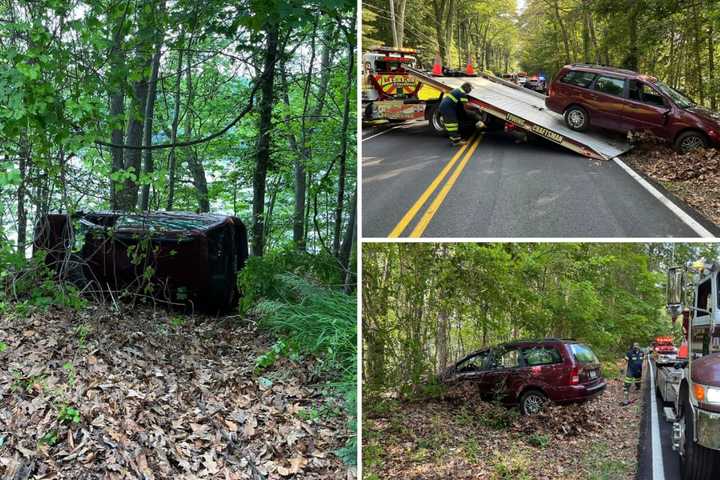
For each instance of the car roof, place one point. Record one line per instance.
(591, 67)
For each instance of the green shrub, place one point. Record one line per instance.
(29, 284)
(258, 280)
(539, 440)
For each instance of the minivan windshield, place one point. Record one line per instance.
(680, 100)
(583, 354)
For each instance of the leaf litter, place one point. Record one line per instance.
(694, 176)
(138, 396)
(462, 437)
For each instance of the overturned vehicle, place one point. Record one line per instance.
(178, 258)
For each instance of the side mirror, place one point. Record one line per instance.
(674, 291)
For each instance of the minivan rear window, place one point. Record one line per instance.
(541, 356)
(583, 354)
(581, 79)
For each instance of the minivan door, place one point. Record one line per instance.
(645, 108)
(606, 101)
(498, 379)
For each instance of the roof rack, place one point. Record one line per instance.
(604, 67)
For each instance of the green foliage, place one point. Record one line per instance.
(3, 347)
(259, 279)
(514, 466)
(68, 414)
(51, 438)
(539, 440)
(269, 358)
(27, 285)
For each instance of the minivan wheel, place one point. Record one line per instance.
(532, 402)
(690, 141)
(577, 118)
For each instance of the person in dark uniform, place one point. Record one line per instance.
(452, 107)
(633, 373)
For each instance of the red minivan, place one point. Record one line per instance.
(530, 372)
(623, 100)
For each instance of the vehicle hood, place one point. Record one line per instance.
(706, 370)
(705, 114)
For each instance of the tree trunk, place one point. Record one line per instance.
(712, 91)
(128, 198)
(631, 60)
(23, 163)
(149, 114)
(174, 128)
(116, 91)
(561, 26)
(441, 341)
(347, 244)
(194, 164)
(262, 157)
(344, 145)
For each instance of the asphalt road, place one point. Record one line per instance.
(501, 189)
(667, 457)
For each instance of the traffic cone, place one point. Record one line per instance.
(469, 69)
(437, 66)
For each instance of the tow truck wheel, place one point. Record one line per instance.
(698, 462)
(689, 141)
(436, 121)
(576, 118)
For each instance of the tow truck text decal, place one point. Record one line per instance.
(515, 119)
(555, 137)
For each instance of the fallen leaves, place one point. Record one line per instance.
(461, 437)
(158, 402)
(694, 176)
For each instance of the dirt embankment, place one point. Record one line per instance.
(461, 437)
(145, 394)
(694, 177)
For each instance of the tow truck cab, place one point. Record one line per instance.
(696, 410)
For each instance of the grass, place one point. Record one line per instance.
(313, 320)
(603, 466)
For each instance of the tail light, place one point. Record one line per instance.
(575, 376)
(551, 90)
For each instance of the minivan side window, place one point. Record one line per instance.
(610, 85)
(506, 359)
(541, 356)
(580, 79)
(642, 92)
(473, 364)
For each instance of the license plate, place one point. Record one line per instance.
(593, 374)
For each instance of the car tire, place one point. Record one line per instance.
(577, 118)
(689, 141)
(532, 402)
(698, 463)
(436, 121)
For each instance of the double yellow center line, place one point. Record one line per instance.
(468, 149)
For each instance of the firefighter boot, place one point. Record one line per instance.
(457, 141)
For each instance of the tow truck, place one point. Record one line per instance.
(394, 90)
(691, 386)
(389, 92)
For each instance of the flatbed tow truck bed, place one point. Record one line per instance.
(526, 109)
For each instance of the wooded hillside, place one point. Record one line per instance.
(427, 305)
(237, 107)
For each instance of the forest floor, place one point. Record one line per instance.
(151, 395)
(461, 437)
(693, 177)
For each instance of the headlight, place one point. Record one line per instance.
(712, 395)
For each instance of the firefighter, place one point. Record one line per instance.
(452, 107)
(633, 371)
